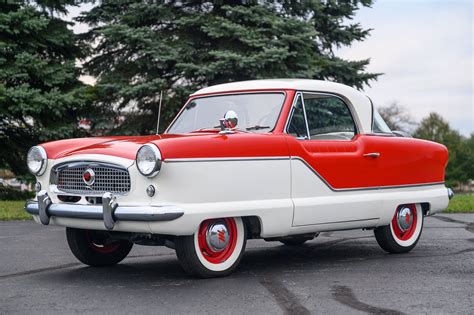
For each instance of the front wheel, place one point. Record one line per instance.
(404, 230)
(214, 250)
(96, 248)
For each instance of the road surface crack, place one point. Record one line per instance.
(469, 226)
(287, 301)
(344, 295)
(39, 270)
(58, 267)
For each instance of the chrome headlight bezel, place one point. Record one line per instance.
(37, 154)
(148, 150)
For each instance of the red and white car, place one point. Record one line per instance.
(290, 159)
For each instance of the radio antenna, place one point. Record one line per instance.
(159, 113)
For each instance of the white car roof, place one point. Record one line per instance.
(360, 104)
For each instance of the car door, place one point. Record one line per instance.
(332, 169)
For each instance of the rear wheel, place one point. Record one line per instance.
(214, 250)
(404, 230)
(96, 248)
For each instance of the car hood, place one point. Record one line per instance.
(193, 145)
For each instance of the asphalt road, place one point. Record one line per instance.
(340, 272)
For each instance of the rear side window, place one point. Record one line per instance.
(380, 126)
(328, 117)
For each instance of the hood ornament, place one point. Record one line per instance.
(229, 122)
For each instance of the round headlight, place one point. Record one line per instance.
(149, 160)
(37, 160)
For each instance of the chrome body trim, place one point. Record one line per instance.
(257, 158)
(272, 158)
(372, 154)
(339, 222)
(109, 211)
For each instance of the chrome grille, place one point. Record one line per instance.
(108, 178)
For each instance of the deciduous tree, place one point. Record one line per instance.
(461, 150)
(397, 117)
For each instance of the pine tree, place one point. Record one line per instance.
(41, 98)
(139, 48)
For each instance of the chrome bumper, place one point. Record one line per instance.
(109, 212)
(450, 193)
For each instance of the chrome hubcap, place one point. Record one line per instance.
(404, 219)
(217, 236)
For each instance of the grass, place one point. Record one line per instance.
(461, 203)
(13, 210)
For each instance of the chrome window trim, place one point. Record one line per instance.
(391, 134)
(345, 100)
(308, 134)
(292, 112)
(232, 93)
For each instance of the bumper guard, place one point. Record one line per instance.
(109, 212)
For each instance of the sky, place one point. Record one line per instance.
(424, 48)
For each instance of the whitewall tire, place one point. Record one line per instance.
(404, 230)
(214, 250)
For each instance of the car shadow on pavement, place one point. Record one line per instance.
(256, 261)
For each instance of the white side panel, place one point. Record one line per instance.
(316, 203)
(320, 208)
(220, 188)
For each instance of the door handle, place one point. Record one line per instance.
(372, 154)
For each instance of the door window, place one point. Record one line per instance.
(328, 117)
(297, 127)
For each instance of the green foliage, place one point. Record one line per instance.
(141, 47)
(7, 193)
(13, 210)
(41, 98)
(461, 151)
(461, 204)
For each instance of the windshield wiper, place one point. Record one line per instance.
(257, 127)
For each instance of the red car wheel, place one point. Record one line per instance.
(214, 250)
(404, 230)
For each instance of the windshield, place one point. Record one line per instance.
(256, 112)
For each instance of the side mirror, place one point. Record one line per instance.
(229, 122)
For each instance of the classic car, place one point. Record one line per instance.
(282, 160)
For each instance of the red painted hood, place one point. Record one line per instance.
(194, 145)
